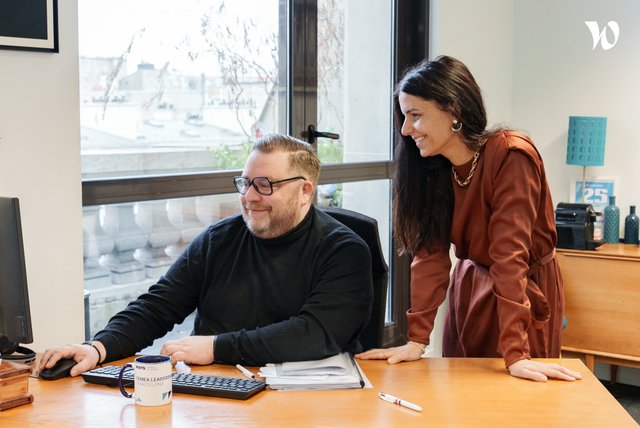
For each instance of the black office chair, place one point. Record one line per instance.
(367, 228)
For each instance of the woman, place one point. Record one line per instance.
(486, 193)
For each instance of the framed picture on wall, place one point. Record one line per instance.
(596, 192)
(30, 25)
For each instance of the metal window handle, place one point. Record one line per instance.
(312, 135)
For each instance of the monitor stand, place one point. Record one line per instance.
(14, 352)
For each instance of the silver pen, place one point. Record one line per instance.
(399, 402)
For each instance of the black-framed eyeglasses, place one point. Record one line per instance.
(263, 185)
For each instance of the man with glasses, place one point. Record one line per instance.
(281, 282)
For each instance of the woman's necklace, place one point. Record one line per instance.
(464, 183)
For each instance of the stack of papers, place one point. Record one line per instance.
(337, 372)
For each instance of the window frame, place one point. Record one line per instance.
(410, 45)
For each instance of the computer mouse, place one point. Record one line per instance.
(59, 370)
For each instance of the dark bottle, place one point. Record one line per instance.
(612, 222)
(631, 227)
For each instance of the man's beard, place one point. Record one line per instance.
(275, 224)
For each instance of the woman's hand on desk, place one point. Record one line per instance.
(397, 354)
(538, 371)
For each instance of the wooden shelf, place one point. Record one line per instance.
(619, 251)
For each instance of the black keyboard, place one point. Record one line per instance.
(194, 384)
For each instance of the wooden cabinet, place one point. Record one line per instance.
(14, 385)
(602, 301)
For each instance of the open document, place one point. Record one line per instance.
(336, 372)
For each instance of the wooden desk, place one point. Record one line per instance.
(452, 392)
(602, 301)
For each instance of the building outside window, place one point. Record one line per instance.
(173, 94)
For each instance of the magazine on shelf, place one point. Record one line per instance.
(337, 372)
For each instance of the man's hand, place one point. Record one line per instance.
(84, 355)
(540, 372)
(190, 349)
(407, 352)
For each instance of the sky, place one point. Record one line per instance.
(163, 30)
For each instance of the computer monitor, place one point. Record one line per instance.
(15, 317)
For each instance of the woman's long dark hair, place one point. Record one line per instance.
(422, 189)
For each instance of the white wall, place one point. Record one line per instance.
(40, 164)
(557, 73)
(480, 34)
(462, 29)
(535, 62)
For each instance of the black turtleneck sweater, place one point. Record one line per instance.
(302, 296)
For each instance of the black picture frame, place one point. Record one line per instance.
(29, 25)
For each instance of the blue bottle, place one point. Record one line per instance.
(631, 227)
(612, 222)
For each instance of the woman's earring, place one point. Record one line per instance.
(456, 126)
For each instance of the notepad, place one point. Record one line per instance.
(340, 371)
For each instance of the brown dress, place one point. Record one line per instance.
(505, 294)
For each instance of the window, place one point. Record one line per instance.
(172, 94)
(175, 87)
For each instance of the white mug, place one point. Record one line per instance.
(152, 380)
